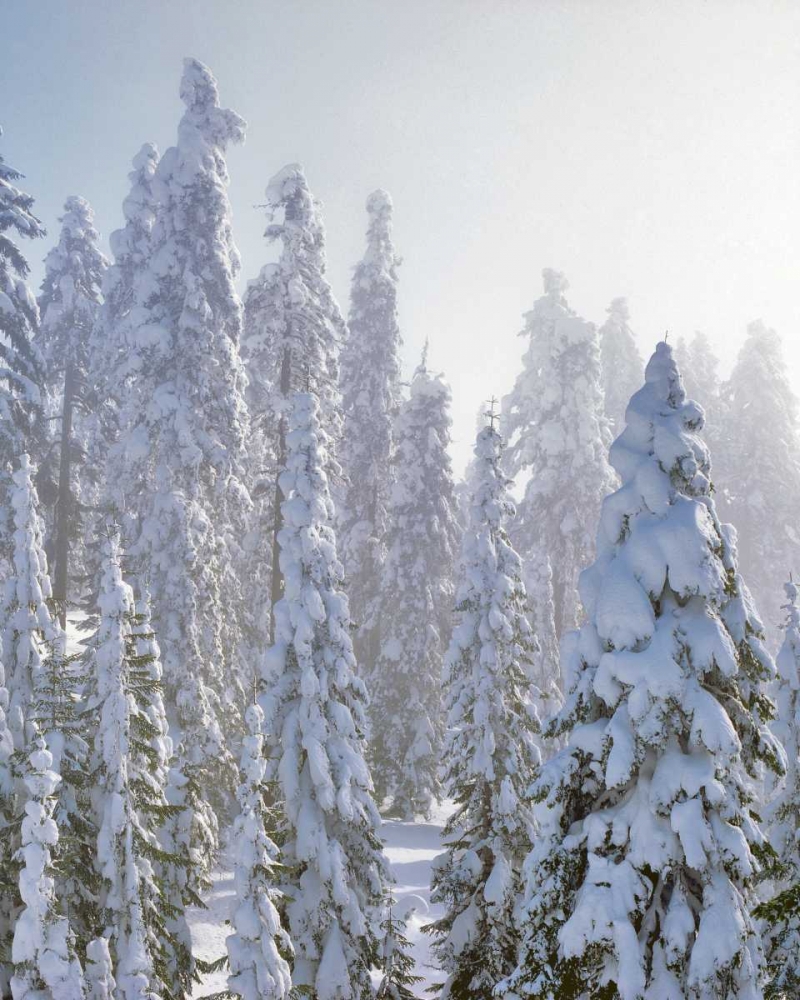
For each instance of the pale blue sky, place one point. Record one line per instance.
(647, 149)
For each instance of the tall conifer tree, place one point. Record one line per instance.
(178, 464)
(621, 363)
(370, 399)
(69, 304)
(557, 435)
(640, 884)
(759, 472)
(21, 381)
(416, 602)
(491, 753)
(314, 707)
(293, 326)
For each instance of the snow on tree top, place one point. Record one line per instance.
(618, 309)
(204, 116)
(285, 185)
(147, 157)
(555, 282)
(379, 202)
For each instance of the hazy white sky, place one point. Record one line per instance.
(648, 148)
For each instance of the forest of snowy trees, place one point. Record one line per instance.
(247, 608)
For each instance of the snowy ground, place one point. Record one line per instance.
(410, 847)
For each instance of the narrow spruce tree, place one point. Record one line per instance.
(21, 380)
(69, 305)
(45, 964)
(178, 463)
(621, 362)
(259, 949)
(557, 434)
(699, 368)
(398, 978)
(314, 708)
(109, 376)
(641, 881)
(44, 687)
(759, 474)
(416, 599)
(293, 325)
(29, 630)
(371, 396)
(781, 914)
(130, 753)
(490, 753)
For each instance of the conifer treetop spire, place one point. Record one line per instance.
(555, 283)
(200, 94)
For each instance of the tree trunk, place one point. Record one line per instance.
(64, 504)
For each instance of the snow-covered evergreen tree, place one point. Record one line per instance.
(416, 603)
(491, 756)
(293, 327)
(398, 978)
(621, 363)
(640, 884)
(7, 881)
(557, 437)
(131, 748)
(781, 914)
(21, 377)
(108, 374)
(259, 947)
(314, 707)
(758, 477)
(29, 631)
(69, 305)
(45, 964)
(699, 369)
(371, 397)
(44, 687)
(178, 462)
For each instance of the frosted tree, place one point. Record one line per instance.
(178, 464)
(131, 749)
(759, 474)
(45, 964)
(558, 438)
(7, 886)
(29, 630)
(416, 602)
(641, 880)
(700, 372)
(44, 686)
(21, 376)
(398, 978)
(371, 397)
(259, 947)
(314, 707)
(109, 378)
(491, 756)
(293, 326)
(69, 304)
(781, 914)
(621, 362)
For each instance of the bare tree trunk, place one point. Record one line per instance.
(64, 504)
